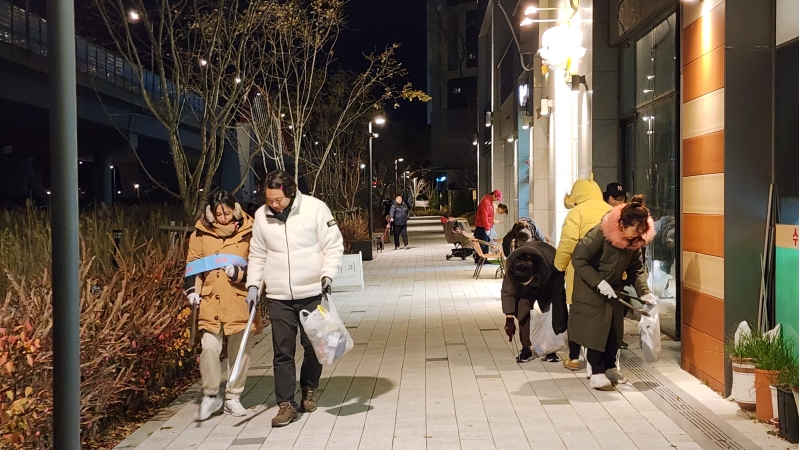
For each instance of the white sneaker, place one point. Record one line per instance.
(208, 406)
(234, 407)
(407, 247)
(600, 382)
(616, 376)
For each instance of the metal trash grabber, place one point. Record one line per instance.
(237, 365)
(640, 311)
(633, 297)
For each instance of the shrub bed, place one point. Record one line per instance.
(134, 320)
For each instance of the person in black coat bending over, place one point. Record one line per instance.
(531, 277)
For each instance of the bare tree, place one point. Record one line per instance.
(296, 67)
(193, 61)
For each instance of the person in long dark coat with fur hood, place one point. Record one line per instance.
(608, 252)
(532, 277)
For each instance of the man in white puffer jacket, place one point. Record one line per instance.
(295, 252)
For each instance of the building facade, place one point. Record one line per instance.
(452, 82)
(680, 101)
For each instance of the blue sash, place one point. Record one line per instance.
(213, 262)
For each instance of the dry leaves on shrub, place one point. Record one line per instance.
(134, 333)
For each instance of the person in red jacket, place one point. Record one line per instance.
(484, 220)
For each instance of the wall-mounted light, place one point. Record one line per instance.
(488, 119)
(577, 81)
(544, 109)
(561, 44)
(527, 122)
(510, 138)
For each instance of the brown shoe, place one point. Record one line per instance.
(286, 415)
(307, 404)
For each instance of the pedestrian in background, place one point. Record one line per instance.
(586, 209)
(502, 210)
(221, 236)
(607, 252)
(398, 217)
(296, 251)
(614, 194)
(484, 219)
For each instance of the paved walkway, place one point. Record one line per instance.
(432, 369)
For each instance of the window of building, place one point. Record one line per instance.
(472, 38)
(462, 92)
(650, 150)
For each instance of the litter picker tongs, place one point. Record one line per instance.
(237, 366)
(629, 305)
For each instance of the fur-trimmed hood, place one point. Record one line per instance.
(541, 254)
(610, 227)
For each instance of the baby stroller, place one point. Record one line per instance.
(458, 233)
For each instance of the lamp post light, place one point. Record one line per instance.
(136, 186)
(396, 178)
(378, 120)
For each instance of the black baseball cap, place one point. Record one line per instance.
(615, 190)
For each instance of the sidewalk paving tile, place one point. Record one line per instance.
(433, 369)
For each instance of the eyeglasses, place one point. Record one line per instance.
(275, 201)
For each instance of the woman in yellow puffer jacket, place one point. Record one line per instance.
(587, 208)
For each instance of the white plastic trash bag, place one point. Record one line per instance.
(326, 332)
(543, 338)
(650, 334)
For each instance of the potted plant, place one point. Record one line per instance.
(356, 238)
(741, 353)
(787, 402)
(771, 355)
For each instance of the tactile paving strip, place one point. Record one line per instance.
(702, 423)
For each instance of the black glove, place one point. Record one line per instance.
(510, 328)
(327, 285)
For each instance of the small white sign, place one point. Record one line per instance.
(351, 273)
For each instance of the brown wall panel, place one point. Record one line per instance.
(703, 313)
(705, 74)
(703, 352)
(704, 234)
(715, 385)
(704, 154)
(704, 34)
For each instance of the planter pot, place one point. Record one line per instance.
(365, 247)
(744, 384)
(773, 392)
(787, 415)
(764, 378)
(796, 400)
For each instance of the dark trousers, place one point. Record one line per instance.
(400, 230)
(285, 319)
(482, 235)
(574, 350)
(607, 359)
(524, 307)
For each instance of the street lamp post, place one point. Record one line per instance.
(378, 121)
(396, 178)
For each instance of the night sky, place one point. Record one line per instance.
(374, 24)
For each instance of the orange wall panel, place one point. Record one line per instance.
(704, 313)
(704, 34)
(703, 352)
(705, 74)
(704, 154)
(704, 234)
(715, 385)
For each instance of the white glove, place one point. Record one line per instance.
(194, 299)
(232, 271)
(650, 299)
(606, 289)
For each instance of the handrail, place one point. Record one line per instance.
(22, 29)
